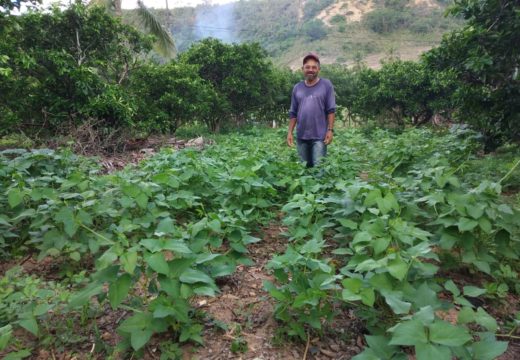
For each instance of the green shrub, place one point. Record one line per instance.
(386, 20)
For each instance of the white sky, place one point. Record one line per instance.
(130, 4)
(157, 4)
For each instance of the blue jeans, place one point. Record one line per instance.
(311, 151)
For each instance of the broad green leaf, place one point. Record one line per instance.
(466, 315)
(66, 216)
(3, 221)
(131, 190)
(488, 350)
(466, 224)
(380, 346)
(204, 290)
(238, 247)
(202, 258)
(312, 246)
(192, 276)
(82, 297)
(165, 226)
(214, 225)
(506, 209)
(451, 287)
(362, 237)
(14, 197)
(381, 281)
(142, 200)
(248, 239)
(177, 246)
(368, 297)
(484, 319)
(162, 311)
(389, 202)
(394, 300)
(411, 332)
(138, 321)
(129, 261)
(178, 266)
(485, 225)
(169, 286)
(118, 290)
(75, 256)
(397, 268)
(108, 274)
(367, 354)
(425, 296)
(473, 291)
(372, 197)
(274, 292)
(17, 355)
(222, 270)
(158, 263)
(349, 224)
(444, 333)
(475, 211)
(30, 325)
(380, 244)
(352, 284)
(342, 251)
(425, 315)
(41, 309)
(6, 333)
(348, 295)
(139, 338)
(432, 352)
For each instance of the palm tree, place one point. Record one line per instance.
(164, 44)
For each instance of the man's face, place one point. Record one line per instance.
(311, 69)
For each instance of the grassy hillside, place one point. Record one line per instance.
(342, 31)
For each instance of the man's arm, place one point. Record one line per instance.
(290, 139)
(330, 128)
(293, 113)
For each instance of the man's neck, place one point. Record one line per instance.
(313, 82)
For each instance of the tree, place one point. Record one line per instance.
(68, 65)
(484, 57)
(168, 96)
(400, 92)
(164, 43)
(315, 30)
(240, 74)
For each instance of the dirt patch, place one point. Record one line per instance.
(247, 312)
(373, 61)
(352, 10)
(139, 149)
(426, 3)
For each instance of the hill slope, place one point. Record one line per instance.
(342, 31)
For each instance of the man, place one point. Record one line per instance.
(312, 112)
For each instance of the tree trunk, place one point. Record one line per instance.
(117, 8)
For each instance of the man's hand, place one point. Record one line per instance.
(290, 139)
(328, 137)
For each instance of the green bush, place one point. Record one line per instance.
(168, 96)
(68, 65)
(387, 20)
(315, 30)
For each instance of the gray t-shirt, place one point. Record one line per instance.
(310, 106)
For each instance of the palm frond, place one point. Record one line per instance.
(165, 43)
(109, 5)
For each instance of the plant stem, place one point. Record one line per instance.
(307, 346)
(95, 233)
(509, 172)
(508, 336)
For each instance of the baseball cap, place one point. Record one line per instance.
(311, 55)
